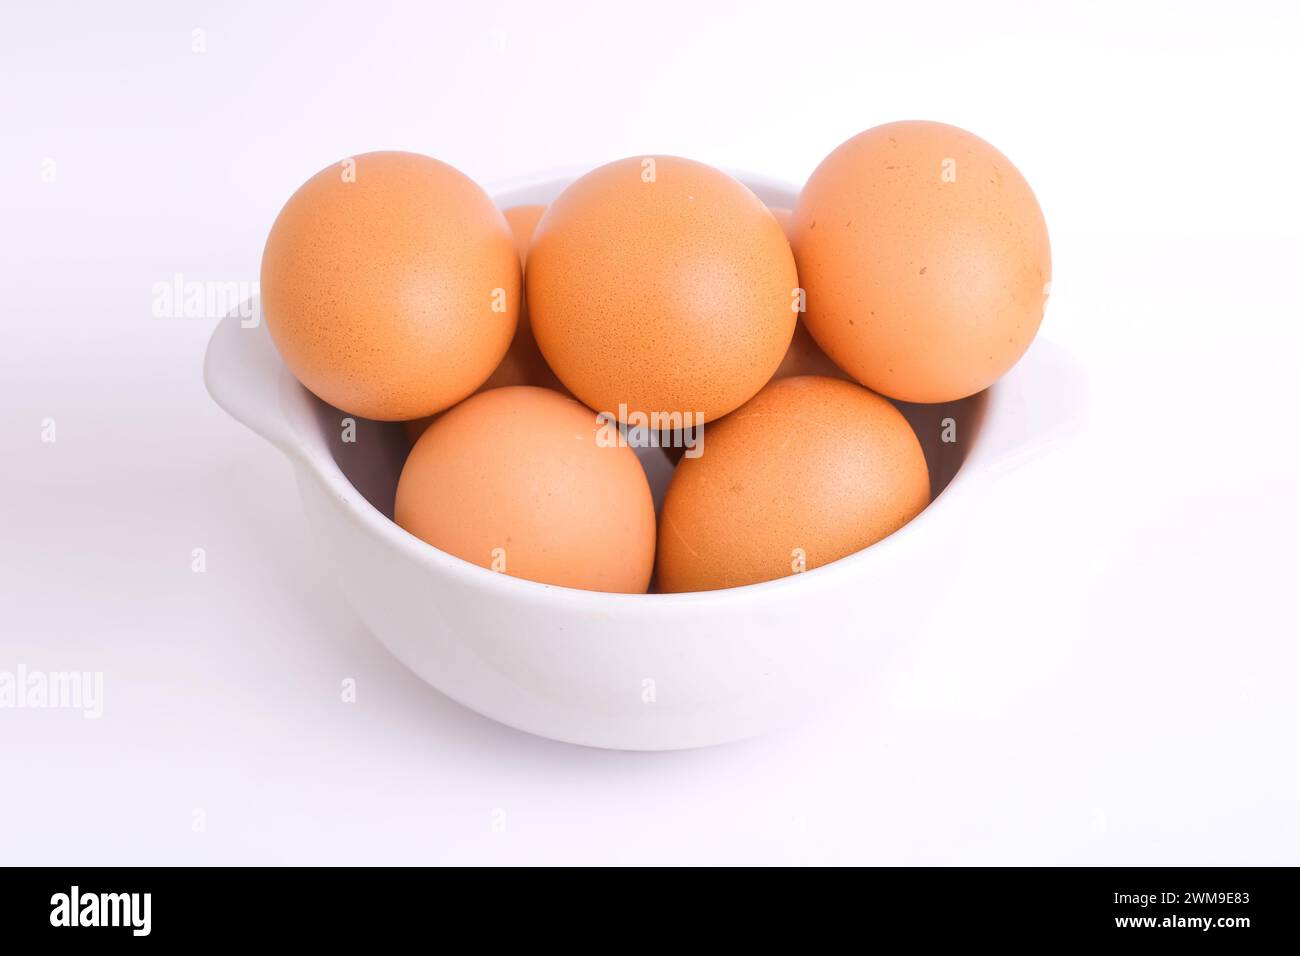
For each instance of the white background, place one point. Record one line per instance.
(1112, 680)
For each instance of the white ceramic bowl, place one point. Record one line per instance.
(633, 672)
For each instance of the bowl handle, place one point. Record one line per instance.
(244, 375)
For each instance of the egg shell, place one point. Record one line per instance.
(661, 285)
(809, 470)
(523, 363)
(391, 285)
(524, 480)
(925, 258)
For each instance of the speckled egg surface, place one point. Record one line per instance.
(661, 285)
(520, 480)
(809, 470)
(925, 259)
(391, 285)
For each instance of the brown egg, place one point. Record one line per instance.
(809, 470)
(660, 285)
(526, 481)
(523, 363)
(391, 285)
(925, 259)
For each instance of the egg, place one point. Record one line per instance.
(809, 470)
(391, 285)
(528, 482)
(659, 285)
(523, 363)
(925, 259)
